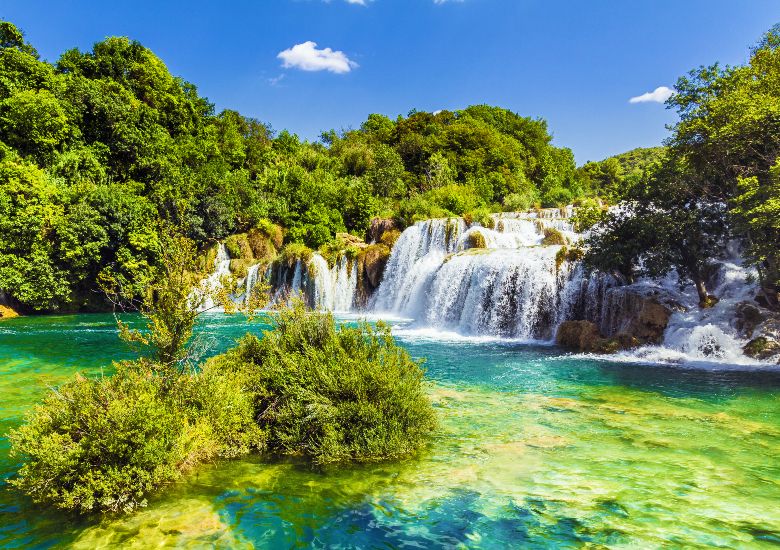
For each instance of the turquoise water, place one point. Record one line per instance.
(536, 449)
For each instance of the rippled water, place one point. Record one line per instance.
(537, 449)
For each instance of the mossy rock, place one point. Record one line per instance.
(7, 312)
(238, 247)
(390, 237)
(476, 240)
(271, 231)
(566, 254)
(709, 301)
(371, 264)
(762, 348)
(262, 246)
(204, 263)
(553, 237)
(294, 252)
(240, 267)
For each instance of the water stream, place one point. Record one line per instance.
(537, 449)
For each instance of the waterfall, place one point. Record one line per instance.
(510, 288)
(250, 282)
(213, 282)
(314, 281)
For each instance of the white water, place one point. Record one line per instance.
(319, 285)
(511, 290)
(213, 282)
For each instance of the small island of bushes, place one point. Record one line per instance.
(309, 388)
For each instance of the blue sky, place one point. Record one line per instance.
(574, 63)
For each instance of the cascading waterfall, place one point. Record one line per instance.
(213, 282)
(510, 288)
(315, 282)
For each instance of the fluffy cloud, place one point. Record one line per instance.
(358, 2)
(307, 57)
(659, 95)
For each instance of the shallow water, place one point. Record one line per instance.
(536, 449)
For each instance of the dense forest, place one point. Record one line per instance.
(99, 148)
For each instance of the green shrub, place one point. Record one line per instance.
(332, 393)
(518, 202)
(105, 444)
(480, 216)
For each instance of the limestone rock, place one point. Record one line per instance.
(765, 344)
(378, 227)
(579, 335)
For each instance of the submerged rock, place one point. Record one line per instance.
(585, 336)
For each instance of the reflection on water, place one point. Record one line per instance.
(536, 449)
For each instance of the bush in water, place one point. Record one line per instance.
(332, 393)
(308, 388)
(104, 444)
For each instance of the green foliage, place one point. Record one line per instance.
(112, 127)
(332, 393)
(722, 151)
(589, 212)
(294, 252)
(757, 214)
(105, 444)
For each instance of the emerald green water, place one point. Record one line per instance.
(536, 449)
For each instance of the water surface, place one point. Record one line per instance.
(536, 449)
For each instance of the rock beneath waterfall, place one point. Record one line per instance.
(639, 312)
(748, 316)
(371, 266)
(585, 336)
(579, 336)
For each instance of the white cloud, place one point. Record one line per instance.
(273, 81)
(358, 2)
(659, 95)
(307, 57)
